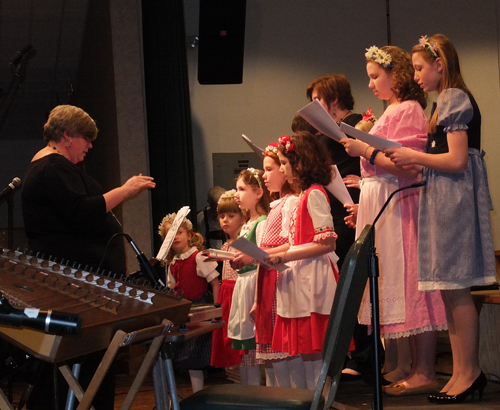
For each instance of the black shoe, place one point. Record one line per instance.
(479, 385)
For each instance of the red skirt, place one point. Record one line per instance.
(266, 305)
(223, 355)
(303, 335)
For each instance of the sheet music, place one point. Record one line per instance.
(259, 151)
(252, 250)
(169, 239)
(316, 115)
(373, 140)
(338, 189)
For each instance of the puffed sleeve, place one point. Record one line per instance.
(206, 269)
(286, 215)
(319, 210)
(259, 232)
(454, 110)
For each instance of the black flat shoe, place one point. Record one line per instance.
(479, 385)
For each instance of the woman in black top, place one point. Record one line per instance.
(66, 213)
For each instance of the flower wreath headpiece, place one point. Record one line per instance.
(227, 195)
(256, 176)
(369, 116)
(169, 219)
(379, 56)
(272, 147)
(286, 142)
(430, 46)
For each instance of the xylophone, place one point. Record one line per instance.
(105, 304)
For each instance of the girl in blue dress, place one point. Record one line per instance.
(455, 243)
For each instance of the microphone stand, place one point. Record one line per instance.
(10, 223)
(373, 275)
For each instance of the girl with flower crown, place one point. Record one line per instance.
(406, 314)
(231, 219)
(455, 248)
(188, 271)
(306, 289)
(280, 369)
(252, 196)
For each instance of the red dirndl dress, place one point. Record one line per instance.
(305, 291)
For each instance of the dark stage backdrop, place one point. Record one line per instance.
(168, 109)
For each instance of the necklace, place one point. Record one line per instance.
(57, 150)
(344, 117)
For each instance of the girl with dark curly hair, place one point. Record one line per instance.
(305, 290)
(406, 314)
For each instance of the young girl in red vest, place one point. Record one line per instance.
(231, 219)
(187, 271)
(306, 289)
(253, 196)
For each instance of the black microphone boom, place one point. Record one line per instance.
(9, 189)
(415, 185)
(146, 267)
(50, 321)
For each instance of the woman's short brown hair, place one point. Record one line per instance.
(71, 119)
(332, 87)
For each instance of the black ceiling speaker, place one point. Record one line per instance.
(222, 40)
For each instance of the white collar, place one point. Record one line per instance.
(184, 255)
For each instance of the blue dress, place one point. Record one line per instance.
(455, 241)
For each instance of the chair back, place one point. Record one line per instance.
(343, 316)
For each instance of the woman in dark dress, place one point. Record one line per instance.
(66, 212)
(334, 93)
(67, 215)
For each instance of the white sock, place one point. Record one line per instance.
(297, 372)
(309, 374)
(254, 375)
(282, 374)
(316, 365)
(243, 375)
(270, 377)
(197, 379)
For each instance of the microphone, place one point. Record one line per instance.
(9, 189)
(146, 267)
(50, 321)
(415, 185)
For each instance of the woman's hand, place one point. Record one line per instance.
(355, 148)
(351, 219)
(352, 181)
(137, 184)
(241, 260)
(132, 187)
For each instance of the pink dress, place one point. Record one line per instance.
(306, 289)
(404, 310)
(275, 234)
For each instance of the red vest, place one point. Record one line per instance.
(187, 279)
